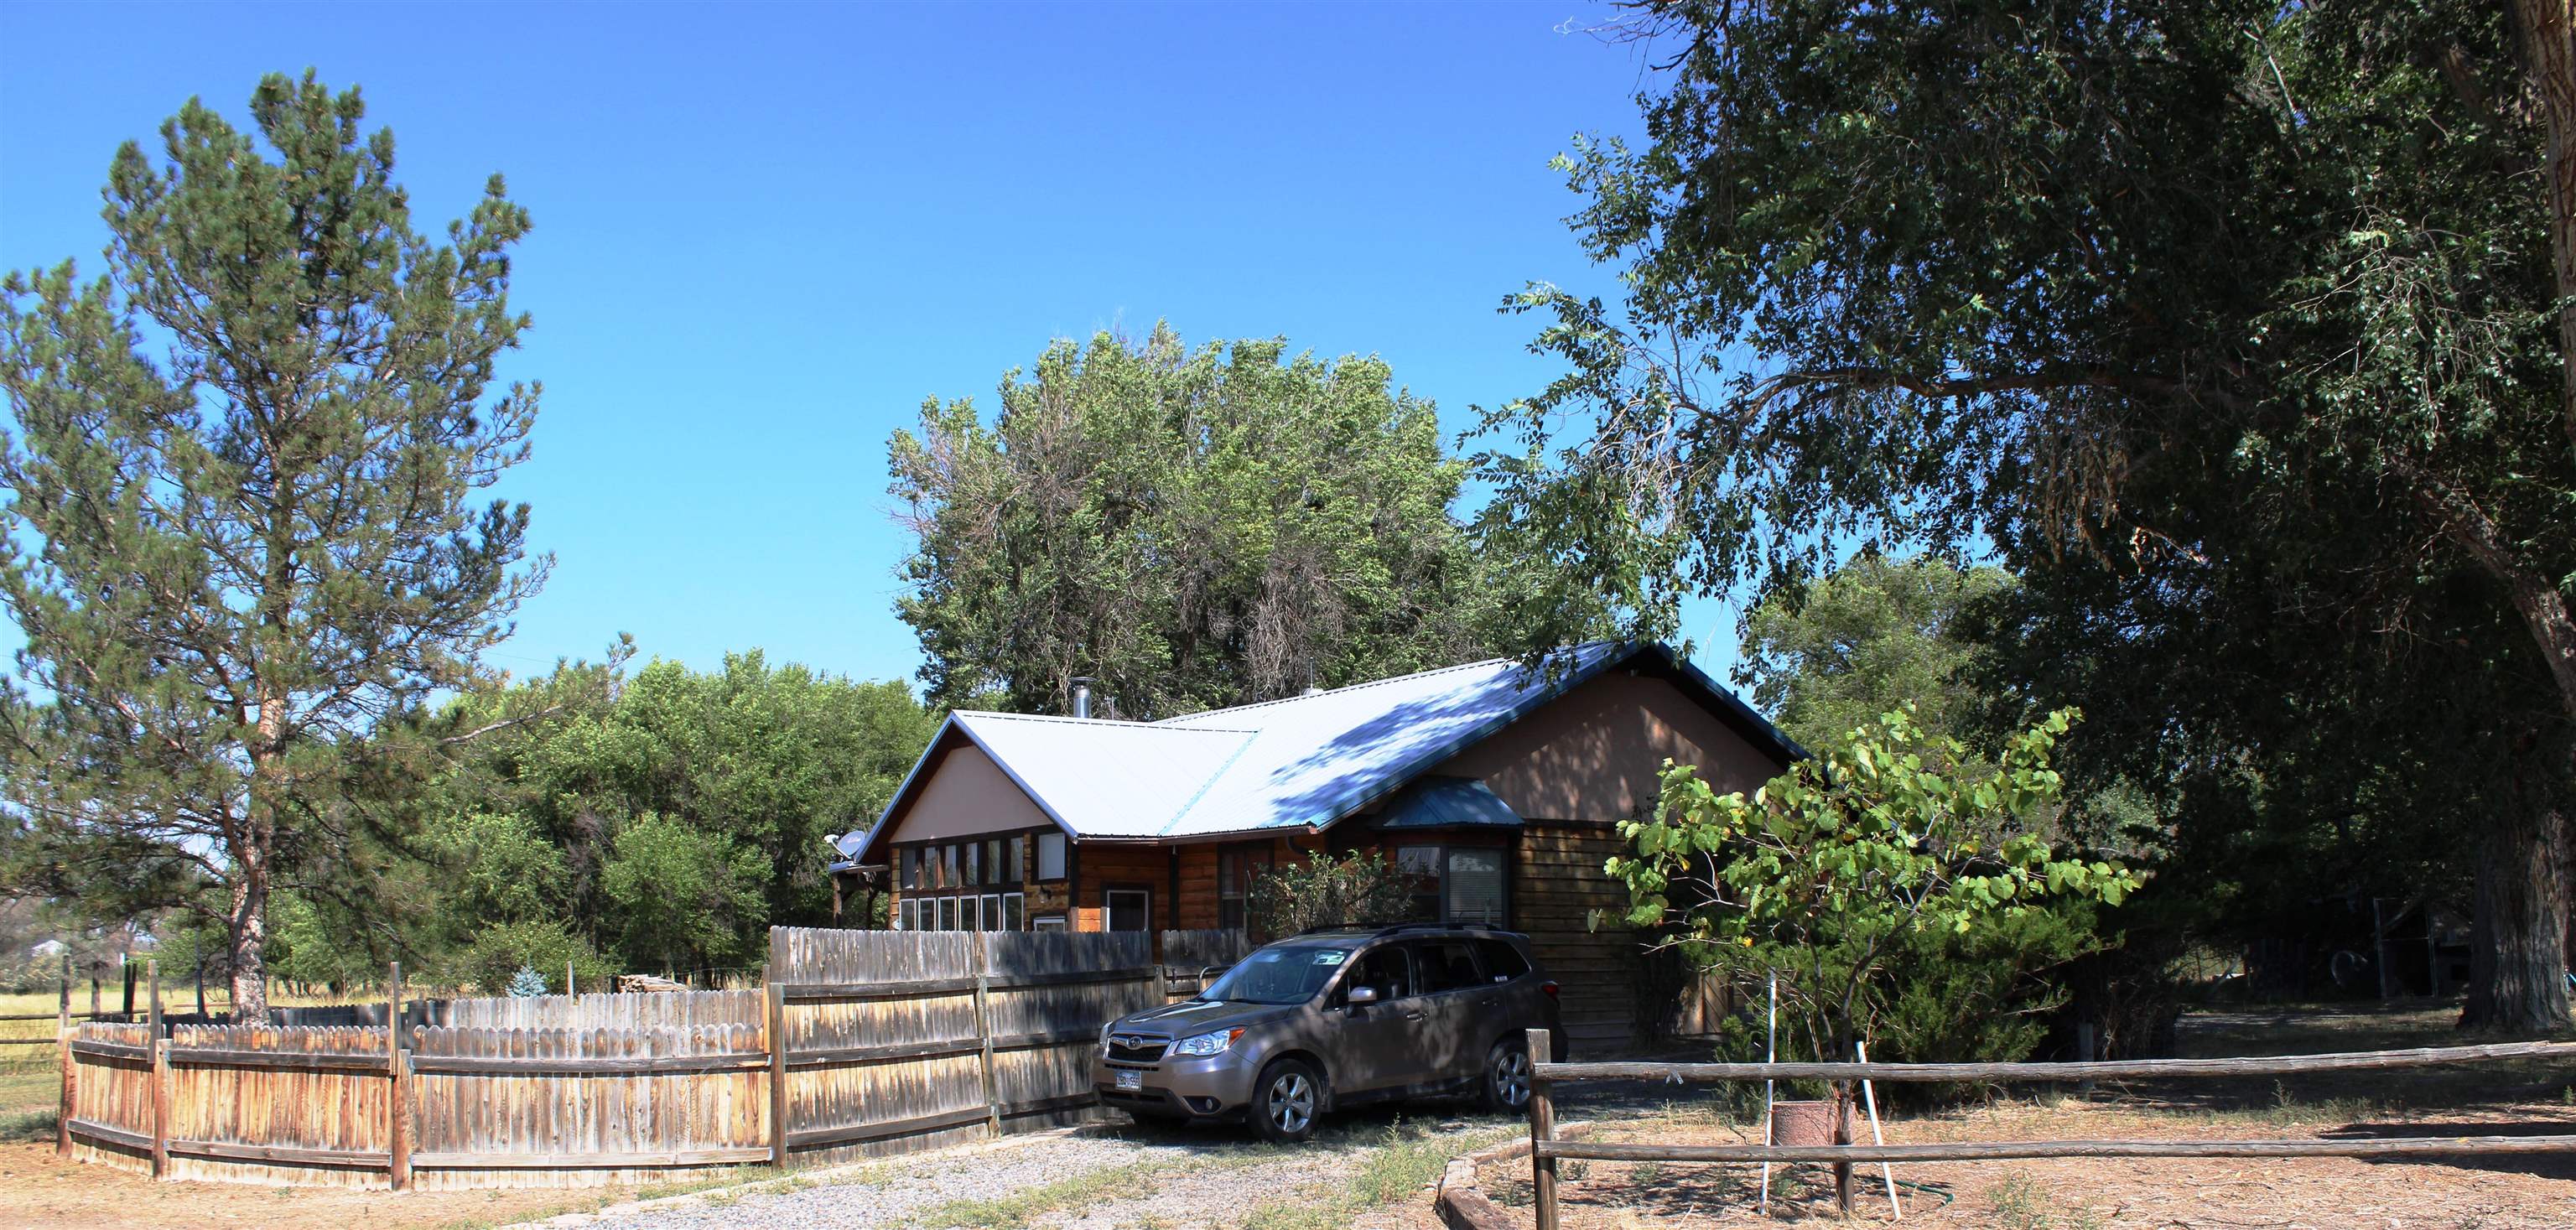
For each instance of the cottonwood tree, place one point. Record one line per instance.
(230, 562)
(1190, 527)
(1975, 275)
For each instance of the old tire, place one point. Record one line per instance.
(1286, 1102)
(1505, 1088)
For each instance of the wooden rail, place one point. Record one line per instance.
(2130, 1069)
(1546, 1150)
(2010, 1150)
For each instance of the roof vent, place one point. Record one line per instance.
(1082, 698)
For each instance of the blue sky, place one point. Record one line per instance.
(765, 233)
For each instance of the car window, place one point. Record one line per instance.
(1382, 967)
(1286, 974)
(1447, 965)
(1502, 961)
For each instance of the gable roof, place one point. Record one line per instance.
(1301, 761)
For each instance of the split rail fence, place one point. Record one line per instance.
(1546, 1150)
(862, 1043)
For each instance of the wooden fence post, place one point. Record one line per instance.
(776, 1037)
(71, 1079)
(398, 1078)
(63, 1010)
(984, 1034)
(1843, 1136)
(1542, 1111)
(160, 1076)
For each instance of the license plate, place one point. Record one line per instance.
(1131, 1080)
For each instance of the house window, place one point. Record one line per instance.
(1128, 909)
(947, 913)
(1474, 892)
(1421, 865)
(1050, 856)
(1457, 883)
(992, 911)
(912, 868)
(1235, 868)
(1047, 922)
(1017, 847)
(970, 913)
(948, 867)
(992, 860)
(1014, 911)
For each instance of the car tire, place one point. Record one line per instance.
(1505, 1087)
(1286, 1101)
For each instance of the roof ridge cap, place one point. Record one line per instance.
(1102, 723)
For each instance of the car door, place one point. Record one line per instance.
(1374, 1045)
(1513, 1002)
(1453, 991)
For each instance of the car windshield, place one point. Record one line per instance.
(1287, 974)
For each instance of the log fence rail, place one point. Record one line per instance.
(1546, 1150)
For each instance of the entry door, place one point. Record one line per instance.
(1127, 909)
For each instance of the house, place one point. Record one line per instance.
(1498, 786)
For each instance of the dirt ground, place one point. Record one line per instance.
(39, 1192)
(2502, 1193)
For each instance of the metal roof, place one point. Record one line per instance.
(1446, 802)
(1301, 761)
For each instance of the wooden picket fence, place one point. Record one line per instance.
(862, 1043)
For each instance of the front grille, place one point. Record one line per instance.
(1136, 1048)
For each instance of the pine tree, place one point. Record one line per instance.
(229, 566)
(527, 983)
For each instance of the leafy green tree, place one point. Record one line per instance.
(1192, 528)
(2287, 291)
(686, 899)
(1831, 873)
(769, 761)
(229, 565)
(1874, 637)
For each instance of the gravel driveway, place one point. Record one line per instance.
(1104, 1176)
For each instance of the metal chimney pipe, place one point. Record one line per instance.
(1082, 698)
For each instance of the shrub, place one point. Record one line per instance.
(1902, 894)
(1355, 890)
(500, 950)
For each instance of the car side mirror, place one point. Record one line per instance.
(1363, 996)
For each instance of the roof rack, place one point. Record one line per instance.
(1392, 928)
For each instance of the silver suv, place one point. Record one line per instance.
(1335, 1017)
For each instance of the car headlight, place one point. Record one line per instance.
(1207, 1044)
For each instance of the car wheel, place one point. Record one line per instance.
(1287, 1101)
(1507, 1078)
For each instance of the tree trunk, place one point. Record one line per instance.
(248, 946)
(2518, 959)
(2548, 30)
